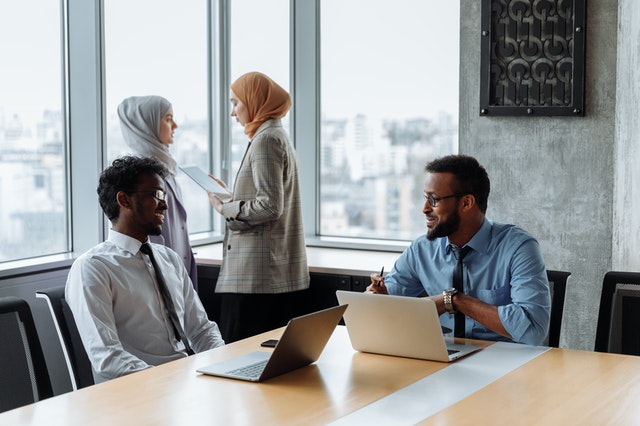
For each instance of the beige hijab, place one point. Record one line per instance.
(263, 98)
(140, 118)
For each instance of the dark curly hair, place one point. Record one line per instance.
(122, 175)
(471, 177)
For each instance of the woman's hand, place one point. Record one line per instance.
(221, 183)
(214, 199)
(215, 202)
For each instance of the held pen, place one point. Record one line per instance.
(380, 275)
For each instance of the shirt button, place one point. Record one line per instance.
(229, 247)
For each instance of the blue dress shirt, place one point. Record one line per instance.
(505, 269)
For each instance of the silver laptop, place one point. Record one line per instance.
(399, 326)
(301, 343)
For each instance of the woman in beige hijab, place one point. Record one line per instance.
(147, 126)
(264, 267)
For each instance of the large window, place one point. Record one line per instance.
(389, 104)
(33, 171)
(259, 41)
(160, 47)
(374, 84)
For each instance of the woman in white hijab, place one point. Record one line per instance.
(147, 126)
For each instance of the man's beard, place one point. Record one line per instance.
(444, 229)
(155, 230)
(150, 228)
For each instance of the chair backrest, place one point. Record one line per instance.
(76, 358)
(628, 325)
(24, 377)
(558, 284)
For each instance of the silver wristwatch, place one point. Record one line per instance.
(448, 300)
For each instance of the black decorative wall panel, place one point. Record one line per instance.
(532, 57)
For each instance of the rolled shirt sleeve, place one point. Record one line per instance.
(505, 269)
(527, 317)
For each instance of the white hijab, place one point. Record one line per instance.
(140, 118)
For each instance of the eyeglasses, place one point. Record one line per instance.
(158, 194)
(433, 201)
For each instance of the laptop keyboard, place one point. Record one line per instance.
(452, 351)
(252, 370)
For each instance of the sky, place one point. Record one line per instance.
(386, 56)
(154, 47)
(33, 82)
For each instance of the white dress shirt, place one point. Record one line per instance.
(122, 320)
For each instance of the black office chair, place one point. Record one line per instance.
(76, 358)
(629, 321)
(558, 284)
(24, 377)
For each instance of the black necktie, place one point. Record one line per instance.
(166, 296)
(458, 278)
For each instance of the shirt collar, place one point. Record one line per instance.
(272, 122)
(480, 240)
(125, 242)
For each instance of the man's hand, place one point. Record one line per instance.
(377, 285)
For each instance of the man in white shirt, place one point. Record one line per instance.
(113, 290)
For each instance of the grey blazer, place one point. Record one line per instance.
(264, 249)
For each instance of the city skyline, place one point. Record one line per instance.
(373, 81)
(345, 202)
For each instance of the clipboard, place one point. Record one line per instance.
(206, 183)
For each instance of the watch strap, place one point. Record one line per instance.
(448, 300)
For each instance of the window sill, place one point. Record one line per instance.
(37, 264)
(327, 260)
(330, 256)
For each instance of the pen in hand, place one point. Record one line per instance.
(380, 275)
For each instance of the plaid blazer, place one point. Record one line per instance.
(264, 249)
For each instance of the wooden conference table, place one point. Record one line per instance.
(502, 384)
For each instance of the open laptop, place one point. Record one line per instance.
(301, 343)
(399, 326)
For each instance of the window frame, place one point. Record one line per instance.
(85, 120)
(85, 117)
(305, 74)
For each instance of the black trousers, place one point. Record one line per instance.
(245, 315)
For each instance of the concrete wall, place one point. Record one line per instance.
(626, 218)
(566, 179)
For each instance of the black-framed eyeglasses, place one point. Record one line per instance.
(158, 194)
(433, 201)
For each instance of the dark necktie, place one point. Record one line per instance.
(458, 279)
(166, 297)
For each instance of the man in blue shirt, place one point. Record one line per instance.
(505, 294)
